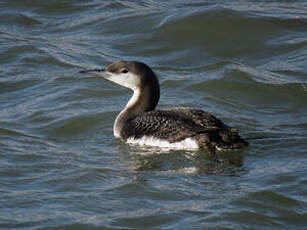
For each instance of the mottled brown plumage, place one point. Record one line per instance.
(179, 123)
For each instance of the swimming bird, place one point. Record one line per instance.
(175, 128)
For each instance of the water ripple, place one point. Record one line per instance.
(61, 167)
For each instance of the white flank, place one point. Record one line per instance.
(187, 144)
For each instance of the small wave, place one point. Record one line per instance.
(15, 132)
(257, 74)
(21, 19)
(73, 126)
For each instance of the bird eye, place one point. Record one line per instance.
(124, 71)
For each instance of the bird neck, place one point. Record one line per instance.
(143, 100)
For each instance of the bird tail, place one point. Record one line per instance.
(225, 139)
(230, 140)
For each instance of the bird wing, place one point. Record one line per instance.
(173, 125)
(199, 117)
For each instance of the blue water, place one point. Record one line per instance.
(60, 166)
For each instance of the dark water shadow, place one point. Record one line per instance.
(143, 159)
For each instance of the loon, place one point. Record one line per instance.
(175, 128)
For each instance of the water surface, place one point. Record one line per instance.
(61, 168)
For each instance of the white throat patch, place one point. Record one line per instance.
(127, 80)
